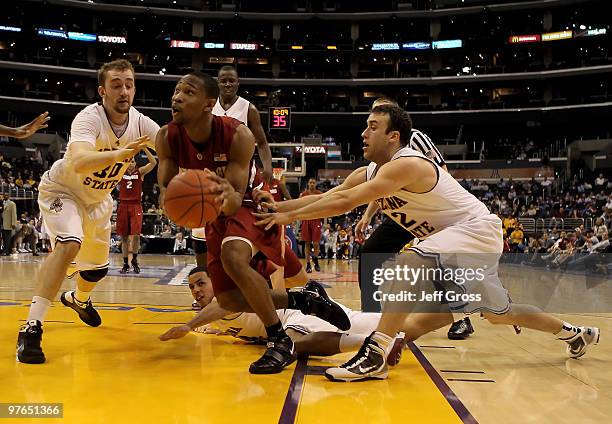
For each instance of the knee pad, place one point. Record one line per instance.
(199, 247)
(93, 275)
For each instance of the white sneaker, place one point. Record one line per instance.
(368, 364)
(578, 345)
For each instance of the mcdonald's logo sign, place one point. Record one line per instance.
(530, 38)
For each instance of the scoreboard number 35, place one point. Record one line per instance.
(279, 118)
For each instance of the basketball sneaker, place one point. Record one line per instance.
(395, 353)
(28, 343)
(319, 304)
(317, 267)
(578, 345)
(87, 313)
(136, 267)
(368, 364)
(308, 268)
(125, 269)
(279, 354)
(460, 330)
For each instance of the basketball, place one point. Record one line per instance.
(189, 201)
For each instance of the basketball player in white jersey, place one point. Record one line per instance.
(75, 201)
(231, 104)
(310, 334)
(453, 226)
(389, 237)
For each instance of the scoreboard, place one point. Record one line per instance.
(279, 118)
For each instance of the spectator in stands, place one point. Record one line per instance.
(9, 224)
(180, 245)
(167, 233)
(600, 229)
(600, 182)
(516, 239)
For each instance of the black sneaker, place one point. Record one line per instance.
(279, 354)
(87, 314)
(136, 267)
(319, 304)
(316, 265)
(28, 343)
(125, 269)
(368, 364)
(460, 330)
(308, 268)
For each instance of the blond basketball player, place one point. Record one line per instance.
(310, 334)
(75, 202)
(456, 230)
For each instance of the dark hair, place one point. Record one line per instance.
(399, 120)
(115, 65)
(197, 269)
(228, 68)
(211, 88)
(385, 99)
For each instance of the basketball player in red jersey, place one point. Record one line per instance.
(311, 231)
(196, 139)
(129, 212)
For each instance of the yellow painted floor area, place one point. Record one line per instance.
(120, 372)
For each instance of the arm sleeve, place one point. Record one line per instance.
(85, 127)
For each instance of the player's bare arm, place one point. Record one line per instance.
(86, 158)
(144, 170)
(356, 177)
(210, 313)
(390, 178)
(234, 183)
(28, 129)
(168, 167)
(283, 188)
(263, 149)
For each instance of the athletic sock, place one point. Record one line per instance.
(383, 340)
(39, 308)
(81, 296)
(134, 258)
(567, 331)
(125, 260)
(275, 331)
(351, 342)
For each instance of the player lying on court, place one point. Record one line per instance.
(224, 147)
(311, 335)
(456, 231)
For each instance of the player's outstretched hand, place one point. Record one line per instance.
(133, 147)
(38, 123)
(175, 333)
(272, 219)
(360, 229)
(264, 199)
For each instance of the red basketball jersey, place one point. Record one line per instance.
(275, 190)
(130, 187)
(214, 154)
(308, 193)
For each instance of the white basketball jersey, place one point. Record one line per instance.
(242, 325)
(91, 125)
(239, 110)
(424, 214)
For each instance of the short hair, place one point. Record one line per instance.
(210, 84)
(399, 120)
(228, 68)
(196, 270)
(385, 100)
(115, 65)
